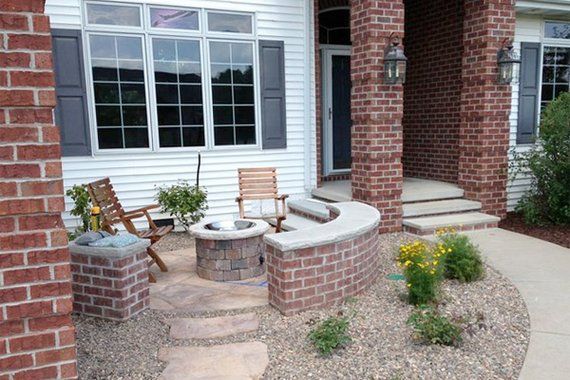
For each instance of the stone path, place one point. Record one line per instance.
(181, 290)
(541, 272)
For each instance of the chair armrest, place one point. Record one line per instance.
(142, 209)
(133, 216)
(283, 197)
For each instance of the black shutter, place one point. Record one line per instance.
(273, 121)
(71, 111)
(528, 92)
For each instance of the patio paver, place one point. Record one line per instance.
(541, 272)
(228, 361)
(216, 327)
(180, 289)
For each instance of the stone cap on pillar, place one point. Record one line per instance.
(110, 252)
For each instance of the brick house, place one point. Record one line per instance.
(142, 86)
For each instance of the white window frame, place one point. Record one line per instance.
(146, 33)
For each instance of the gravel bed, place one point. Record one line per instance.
(494, 343)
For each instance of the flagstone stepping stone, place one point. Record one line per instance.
(227, 361)
(217, 327)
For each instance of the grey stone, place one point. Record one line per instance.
(110, 252)
(216, 327)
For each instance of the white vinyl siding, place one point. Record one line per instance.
(136, 175)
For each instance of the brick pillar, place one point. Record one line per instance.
(485, 105)
(37, 338)
(377, 111)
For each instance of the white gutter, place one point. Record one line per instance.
(309, 70)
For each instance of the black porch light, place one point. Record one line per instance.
(509, 64)
(394, 62)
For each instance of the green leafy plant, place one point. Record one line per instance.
(422, 269)
(330, 334)
(186, 202)
(433, 328)
(548, 162)
(462, 260)
(81, 207)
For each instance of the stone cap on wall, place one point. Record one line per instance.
(110, 252)
(199, 231)
(354, 218)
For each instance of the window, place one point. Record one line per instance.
(555, 73)
(334, 26)
(121, 15)
(231, 67)
(178, 78)
(119, 89)
(229, 23)
(149, 84)
(557, 30)
(169, 18)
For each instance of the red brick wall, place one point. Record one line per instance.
(318, 276)
(36, 333)
(377, 111)
(432, 93)
(485, 105)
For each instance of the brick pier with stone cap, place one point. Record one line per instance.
(230, 255)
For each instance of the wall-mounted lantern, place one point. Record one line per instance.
(509, 64)
(394, 62)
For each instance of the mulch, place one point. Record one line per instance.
(555, 234)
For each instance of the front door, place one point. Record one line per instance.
(337, 119)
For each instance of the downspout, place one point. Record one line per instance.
(309, 124)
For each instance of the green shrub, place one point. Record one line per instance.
(81, 207)
(331, 334)
(462, 260)
(548, 200)
(186, 202)
(433, 328)
(422, 269)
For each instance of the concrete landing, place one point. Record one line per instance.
(541, 272)
(180, 289)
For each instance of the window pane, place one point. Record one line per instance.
(106, 93)
(120, 92)
(177, 62)
(108, 115)
(232, 93)
(133, 94)
(173, 18)
(110, 138)
(547, 92)
(166, 94)
(169, 137)
(191, 94)
(168, 115)
(193, 136)
(136, 138)
(557, 30)
(224, 135)
(229, 23)
(104, 14)
(192, 115)
(548, 74)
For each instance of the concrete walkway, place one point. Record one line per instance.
(541, 272)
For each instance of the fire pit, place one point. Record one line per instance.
(229, 250)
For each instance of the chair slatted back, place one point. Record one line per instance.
(103, 195)
(258, 183)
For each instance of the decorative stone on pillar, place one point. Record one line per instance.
(377, 111)
(110, 283)
(485, 105)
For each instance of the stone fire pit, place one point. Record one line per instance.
(229, 250)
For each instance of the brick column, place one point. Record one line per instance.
(377, 111)
(485, 105)
(36, 333)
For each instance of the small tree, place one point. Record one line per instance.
(548, 200)
(81, 207)
(186, 202)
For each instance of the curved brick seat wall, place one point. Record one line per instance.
(324, 264)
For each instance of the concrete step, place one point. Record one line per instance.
(294, 222)
(468, 221)
(449, 206)
(310, 208)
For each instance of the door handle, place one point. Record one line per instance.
(330, 113)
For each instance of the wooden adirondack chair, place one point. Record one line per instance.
(260, 184)
(103, 195)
